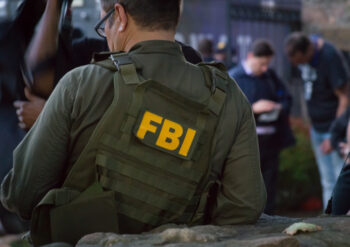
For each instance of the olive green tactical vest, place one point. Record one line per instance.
(152, 164)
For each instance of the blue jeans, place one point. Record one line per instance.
(329, 165)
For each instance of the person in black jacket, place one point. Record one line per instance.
(15, 35)
(340, 201)
(338, 133)
(271, 105)
(339, 204)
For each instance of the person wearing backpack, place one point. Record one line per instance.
(138, 139)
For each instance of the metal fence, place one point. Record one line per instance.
(7, 8)
(240, 22)
(85, 15)
(236, 22)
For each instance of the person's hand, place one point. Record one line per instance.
(348, 213)
(326, 146)
(28, 111)
(265, 106)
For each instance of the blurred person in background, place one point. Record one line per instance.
(220, 55)
(271, 103)
(338, 133)
(220, 52)
(325, 76)
(55, 49)
(49, 56)
(340, 201)
(15, 35)
(339, 204)
(54, 52)
(206, 49)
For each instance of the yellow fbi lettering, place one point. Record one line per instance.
(170, 134)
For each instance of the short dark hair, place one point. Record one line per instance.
(205, 47)
(150, 14)
(262, 48)
(297, 42)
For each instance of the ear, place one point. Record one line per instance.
(121, 17)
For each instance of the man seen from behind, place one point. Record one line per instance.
(138, 139)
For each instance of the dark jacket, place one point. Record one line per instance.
(338, 129)
(75, 52)
(15, 36)
(340, 202)
(269, 87)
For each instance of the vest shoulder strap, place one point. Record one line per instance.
(127, 70)
(126, 67)
(215, 75)
(217, 65)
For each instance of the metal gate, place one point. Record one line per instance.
(237, 22)
(240, 22)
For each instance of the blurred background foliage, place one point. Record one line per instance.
(299, 186)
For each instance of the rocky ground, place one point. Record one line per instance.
(268, 232)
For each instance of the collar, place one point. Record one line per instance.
(315, 58)
(147, 47)
(247, 69)
(158, 46)
(317, 50)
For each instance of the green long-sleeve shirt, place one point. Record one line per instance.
(52, 146)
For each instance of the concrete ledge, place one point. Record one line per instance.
(266, 233)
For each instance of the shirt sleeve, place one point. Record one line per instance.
(338, 72)
(242, 196)
(39, 161)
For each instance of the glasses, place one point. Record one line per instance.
(100, 26)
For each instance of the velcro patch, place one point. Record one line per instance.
(166, 135)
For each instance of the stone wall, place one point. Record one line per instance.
(334, 231)
(267, 232)
(331, 18)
